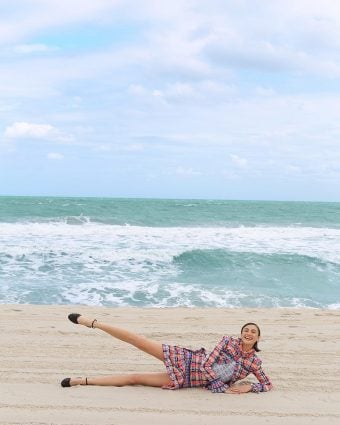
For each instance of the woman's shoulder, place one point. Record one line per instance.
(257, 362)
(231, 340)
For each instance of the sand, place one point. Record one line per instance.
(39, 347)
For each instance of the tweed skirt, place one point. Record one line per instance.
(184, 366)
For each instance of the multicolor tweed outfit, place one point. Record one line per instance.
(188, 368)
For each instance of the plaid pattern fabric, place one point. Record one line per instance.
(187, 368)
(184, 367)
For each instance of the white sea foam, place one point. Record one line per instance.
(128, 265)
(114, 243)
(174, 295)
(152, 295)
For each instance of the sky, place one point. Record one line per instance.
(218, 99)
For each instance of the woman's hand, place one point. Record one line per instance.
(239, 389)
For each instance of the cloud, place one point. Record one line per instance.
(187, 172)
(180, 92)
(191, 41)
(25, 130)
(264, 91)
(239, 162)
(189, 53)
(55, 156)
(8, 106)
(26, 19)
(273, 38)
(135, 147)
(163, 81)
(33, 48)
(293, 169)
(137, 90)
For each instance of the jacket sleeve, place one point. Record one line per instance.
(264, 383)
(215, 384)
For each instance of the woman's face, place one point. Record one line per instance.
(250, 335)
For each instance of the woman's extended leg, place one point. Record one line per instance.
(154, 348)
(147, 379)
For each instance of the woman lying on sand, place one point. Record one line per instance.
(231, 360)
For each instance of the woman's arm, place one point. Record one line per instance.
(264, 383)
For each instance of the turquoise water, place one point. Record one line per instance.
(167, 253)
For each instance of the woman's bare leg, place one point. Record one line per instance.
(147, 379)
(154, 348)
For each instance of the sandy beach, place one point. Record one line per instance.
(39, 347)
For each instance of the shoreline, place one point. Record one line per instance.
(300, 353)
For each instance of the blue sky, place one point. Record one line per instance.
(170, 99)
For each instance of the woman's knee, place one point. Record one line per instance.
(149, 379)
(134, 379)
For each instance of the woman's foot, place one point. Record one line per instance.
(71, 382)
(82, 320)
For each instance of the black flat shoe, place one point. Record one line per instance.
(66, 382)
(74, 317)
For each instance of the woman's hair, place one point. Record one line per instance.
(256, 348)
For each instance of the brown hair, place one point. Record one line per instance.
(256, 348)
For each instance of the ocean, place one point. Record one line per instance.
(169, 253)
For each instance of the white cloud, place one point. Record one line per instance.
(293, 169)
(178, 34)
(271, 37)
(55, 156)
(181, 82)
(102, 147)
(187, 172)
(25, 130)
(8, 106)
(32, 48)
(137, 90)
(26, 19)
(178, 92)
(135, 147)
(157, 93)
(238, 161)
(182, 46)
(264, 91)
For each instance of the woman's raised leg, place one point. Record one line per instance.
(154, 348)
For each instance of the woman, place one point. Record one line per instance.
(231, 360)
